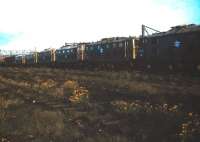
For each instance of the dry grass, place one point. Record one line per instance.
(48, 123)
(7, 102)
(40, 104)
(143, 87)
(70, 84)
(3, 102)
(3, 105)
(80, 95)
(46, 84)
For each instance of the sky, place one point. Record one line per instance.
(41, 24)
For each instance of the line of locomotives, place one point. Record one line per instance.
(178, 48)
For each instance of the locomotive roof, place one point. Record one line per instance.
(68, 46)
(104, 40)
(178, 30)
(115, 39)
(111, 40)
(47, 50)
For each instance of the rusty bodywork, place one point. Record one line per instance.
(177, 47)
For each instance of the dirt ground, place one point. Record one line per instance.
(62, 105)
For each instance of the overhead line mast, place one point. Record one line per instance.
(145, 30)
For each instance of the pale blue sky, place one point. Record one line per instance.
(191, 8)
(51, 23)
(5, 38)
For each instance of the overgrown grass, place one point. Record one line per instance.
(40, 104)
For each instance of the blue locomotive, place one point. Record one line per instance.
(178, 48)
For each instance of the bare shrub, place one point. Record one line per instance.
(72, 91)
(49, 83)
(65, 90)
(80, 95)
(3, 102)
(70, 84)
(6, 102)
